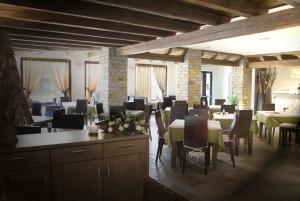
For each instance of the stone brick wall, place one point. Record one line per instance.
(113, 84)
(242, 85)
(189, 78)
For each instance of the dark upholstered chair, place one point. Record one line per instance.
(69, 121)
(36, 109)
(49, 110)
(173, 97)
(117, 112)
(167, 102)
(28, 129)
(129, 105)
(203, 100)
(228, 108)
(81, 108)
(99, 108)
(198, 112)
(195, 138)
(161, 132)
(197, 106)
(219, 101)
(286, 130)
(139, 104)
(242, 130)
(181, 103)
(177, 112)
(64, 99)
(268, 107)
(154, 191)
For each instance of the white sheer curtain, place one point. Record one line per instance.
(160, 73)
(60, 76)
(143, 81)
(31, 76)
(92, 79)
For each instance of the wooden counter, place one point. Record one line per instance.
(72, 165)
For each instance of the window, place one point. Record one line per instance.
(151, 81)
(44, 79)
(207, 85)
(92, 80)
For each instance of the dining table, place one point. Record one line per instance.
(41, 120)
(166, 115)
(176, 134)
(214, 109)
(272, 119)
(70, 108)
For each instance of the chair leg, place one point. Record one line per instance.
(236, 147)
(150, 136)
(280, 136)
(206, 157)
(157, 153)
(208, 161)
(249, 146)
(183, 153)
(232, 155)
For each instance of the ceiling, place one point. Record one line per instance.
(283, 40)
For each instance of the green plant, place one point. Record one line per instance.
(233, 99)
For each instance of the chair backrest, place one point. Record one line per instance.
(58, 112)
(28, 129)
(181, 103)
(152, 190)
(36, 109)
(233, 124)
(203, 100)
(148, 115)
(117, 112)
(167, 102)
(130, 98)
(268, 107)
(81, 106)
(198, 112)
(195, 131)
(177, 112)
(129, 105)
(64, 99)
(160, 124)
(202, 107)
(228, 108)
(173, 97)
(139, 104)
(242, 128)
(49, 110)
(99, 108)
(219, 101)
(69, 121)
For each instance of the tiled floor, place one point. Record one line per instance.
(270, 173)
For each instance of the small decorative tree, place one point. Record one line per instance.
(13, 105)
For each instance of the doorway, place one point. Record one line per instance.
(207, 85)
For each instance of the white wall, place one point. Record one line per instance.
(221, 80)
(171, 75)
(287, 80)
(77, 58)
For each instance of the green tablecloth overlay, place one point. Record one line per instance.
(176, 133)
(274, 119)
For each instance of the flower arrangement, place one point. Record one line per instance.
(129, 125)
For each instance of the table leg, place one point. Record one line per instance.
(269, 135)
(260, 129)
(173, 155)
(214, 155)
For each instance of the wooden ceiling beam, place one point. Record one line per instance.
(25, 14)
(69, 37)
(246, 8)
(72, 30)
(288, 56)
(46, 48)
(220, 62)
(169, 9)
(263, 23)
(92, 11)
(275, 64)
(160, 57)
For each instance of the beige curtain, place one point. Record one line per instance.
(31, 76)
(92, 78)
(160, 76)
(143, 81)
(60, 76)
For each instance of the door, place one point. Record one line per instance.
(207, 86)
(123, 178)
(29, 185)
(78, 181)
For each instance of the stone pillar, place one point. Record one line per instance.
(189, 78)
(113, 84)
(242, 85)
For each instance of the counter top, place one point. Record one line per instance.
(65, 138)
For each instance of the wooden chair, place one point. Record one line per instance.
(28, 129)
(181, 103)
(36, 109)
(117, 112)
(228, 108)
(197, 106)
(198, 112)
(64, 99)
(167, 102)
(139, 104)
(242, 130)
(286, 129)
(219, 101)
(147, 121)
(49, 110)
(69, 121)
(195, 138)
(268, 107)
(154, 191)
(129, 105)
(177, 112)
(81, 108)
(161, 132)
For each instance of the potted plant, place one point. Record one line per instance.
(233, 99)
